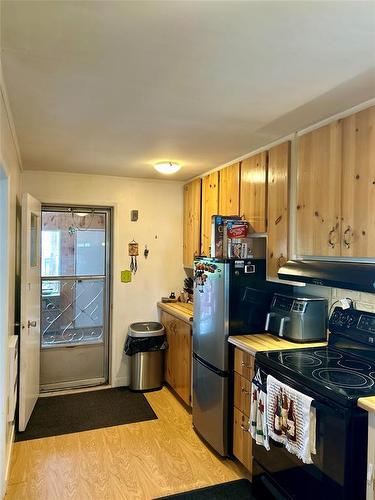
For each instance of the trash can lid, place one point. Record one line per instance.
(146, 329)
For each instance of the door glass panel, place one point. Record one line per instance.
(33, 240)
(73, 243)
(72, 311)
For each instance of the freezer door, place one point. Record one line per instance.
(210, 406)
(211, 314)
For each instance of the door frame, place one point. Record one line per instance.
(4, 321)
(108, 286)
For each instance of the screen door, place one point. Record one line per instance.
(75, 267)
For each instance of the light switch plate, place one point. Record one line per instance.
(134, 215)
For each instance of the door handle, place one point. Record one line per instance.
(347, 237)
(31, 324)
(269, 316)
(330, 234)
(282, 326)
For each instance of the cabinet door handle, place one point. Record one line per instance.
(330, 234)
(347, 237)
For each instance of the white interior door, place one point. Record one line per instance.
(30, 309)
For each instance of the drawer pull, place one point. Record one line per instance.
(243, 390)
(245, 429)
(245, 365)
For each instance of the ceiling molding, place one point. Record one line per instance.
(8, 112)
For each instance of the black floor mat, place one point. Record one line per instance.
(56, 415)
(238, 490)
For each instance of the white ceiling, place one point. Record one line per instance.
(110, 87)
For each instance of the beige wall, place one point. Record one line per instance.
(11, 166)
(159, 227)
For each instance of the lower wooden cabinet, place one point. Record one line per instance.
(178, 357)
(242, 394)
(242, 441)
(243, 375)
(243, 363)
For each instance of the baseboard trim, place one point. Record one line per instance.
(9, 456)
(121, 382)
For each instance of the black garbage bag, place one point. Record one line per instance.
(145, 344)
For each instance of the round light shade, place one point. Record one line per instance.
(167, 167)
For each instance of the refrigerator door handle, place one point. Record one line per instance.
(210, 367)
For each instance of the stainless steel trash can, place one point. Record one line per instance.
(147, 365)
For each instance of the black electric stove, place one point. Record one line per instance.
(344, 370)
(334, 377)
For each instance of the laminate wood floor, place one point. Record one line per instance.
(137, 461)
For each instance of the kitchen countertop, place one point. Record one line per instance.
(266, 342)
(367, 403)
(181, 310)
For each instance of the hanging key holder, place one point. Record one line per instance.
(133, 254)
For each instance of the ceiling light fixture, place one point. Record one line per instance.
(167, 167)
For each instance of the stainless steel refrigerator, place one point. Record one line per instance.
(230, 297)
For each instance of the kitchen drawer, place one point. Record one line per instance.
(243, 363)
(242, 393)
(242, 441)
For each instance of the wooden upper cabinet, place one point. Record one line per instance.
(278, 207)
(229, 190)
(253, 193)
(319, 191)
(192, 221)
(358, 185)
(210, 206)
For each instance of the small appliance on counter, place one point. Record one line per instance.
(298, 319)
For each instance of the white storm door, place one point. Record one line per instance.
(30, 309)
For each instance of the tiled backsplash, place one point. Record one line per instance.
(362, 300)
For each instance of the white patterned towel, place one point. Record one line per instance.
(291, 419)
(258, 413)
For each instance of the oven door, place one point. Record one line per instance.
(338, 470)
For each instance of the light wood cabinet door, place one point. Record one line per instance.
(319, 191)
(253, 192)
(278, 207)
(210, 207)
(243, 363)
(178, 357)
(358, 184)
(242, 394)
(242, 442)
(192, 221)
(229, 190)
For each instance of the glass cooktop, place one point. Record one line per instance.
(337, 374)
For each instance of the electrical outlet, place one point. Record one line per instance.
(345, 303)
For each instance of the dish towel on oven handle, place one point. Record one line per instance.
(258, 413)
(291, 419)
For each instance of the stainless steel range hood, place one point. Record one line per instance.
(353, 276)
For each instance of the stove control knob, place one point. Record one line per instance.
(351, 320)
